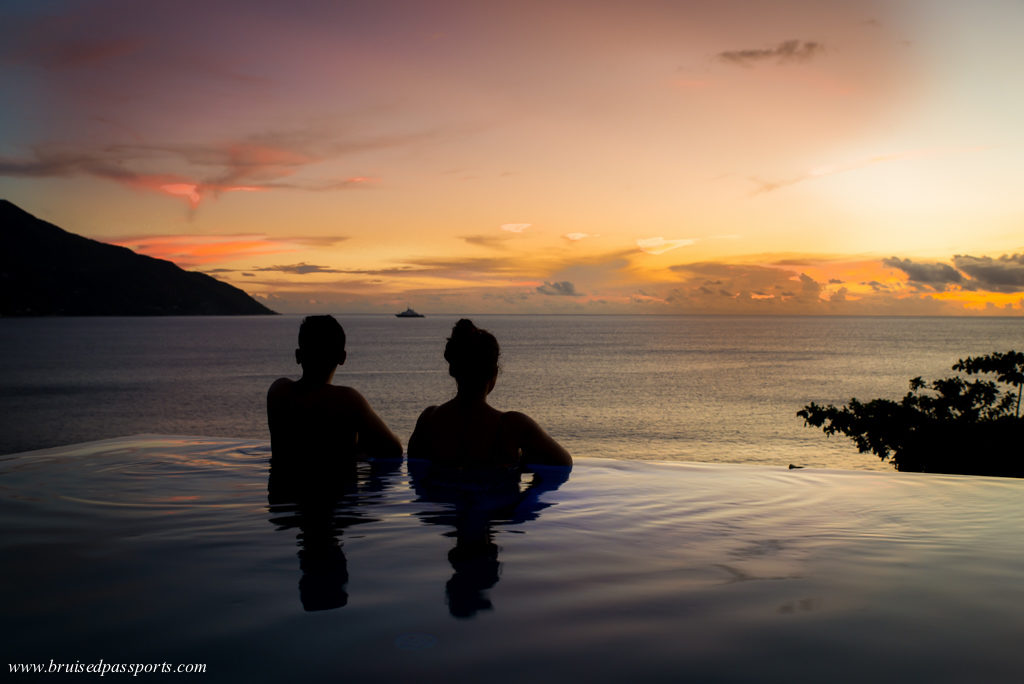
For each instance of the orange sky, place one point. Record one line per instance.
(801, 157)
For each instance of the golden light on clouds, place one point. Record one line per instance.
(636, 157)
(659, 245)
(989, 302)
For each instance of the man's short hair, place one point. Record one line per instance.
(321, 336)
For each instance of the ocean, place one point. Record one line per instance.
(653, 388)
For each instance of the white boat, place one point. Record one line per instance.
(409, 313)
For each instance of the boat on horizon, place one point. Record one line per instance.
(409, 313)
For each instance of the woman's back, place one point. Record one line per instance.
(464, 436)
(466, 432)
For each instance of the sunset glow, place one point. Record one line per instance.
(808, 157)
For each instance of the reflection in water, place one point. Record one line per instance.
(474, 502)
(321, 508)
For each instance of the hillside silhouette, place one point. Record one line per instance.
(47, 271)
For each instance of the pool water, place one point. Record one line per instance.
(165, 549)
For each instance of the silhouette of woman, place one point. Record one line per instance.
(465, 432)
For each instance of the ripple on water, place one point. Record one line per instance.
(166, 547)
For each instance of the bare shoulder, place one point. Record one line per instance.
(420, 443)
(279, 386)
(348, 397)
(518, 420)
(426, 417)
(427, 413)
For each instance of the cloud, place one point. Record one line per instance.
(879, 287)
(392, 271)
(642, 298)
(1003, 274)
(767, 284)
(71, 54)
(659, 245)
(474, 269)
(784, 52)
(318, 240)
(932, 275)
(194, 250)
(809, 287)
(263, 162)
(108, 165)
(832, 169)
(576, 237)
(562, 289)
(765, 288)
(472, 272)
(515, 227)
(489, 241)
(301, 268)
(762, 286)
(344, 184)
(745, 288)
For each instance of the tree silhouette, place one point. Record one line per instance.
(1008, 367)
(950, 425)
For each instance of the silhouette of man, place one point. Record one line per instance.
(317, 429)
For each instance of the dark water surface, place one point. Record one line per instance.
(162, 549)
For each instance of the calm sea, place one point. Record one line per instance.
(686, 388)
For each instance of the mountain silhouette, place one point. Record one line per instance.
(47, 271)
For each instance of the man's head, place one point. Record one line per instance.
(321, 342)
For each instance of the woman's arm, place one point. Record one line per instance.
(539, 448)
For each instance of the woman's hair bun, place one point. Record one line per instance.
(472, 354)
(464, 327)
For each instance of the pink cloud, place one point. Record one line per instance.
(194, 250)
(213, 169)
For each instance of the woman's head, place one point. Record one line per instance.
(472, 356)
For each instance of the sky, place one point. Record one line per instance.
(641, 156)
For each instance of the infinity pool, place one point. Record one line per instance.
(165, 549)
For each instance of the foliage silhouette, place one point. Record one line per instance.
(950, 425)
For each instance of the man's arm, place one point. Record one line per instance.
(376, 440)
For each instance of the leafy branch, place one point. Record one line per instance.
(1008, 368)
(946, 425)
